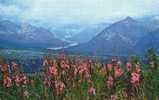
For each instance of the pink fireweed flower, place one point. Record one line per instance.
(118, 72)
(110, 81)
(53, 70)
(92, 91)
(82, 68)
(129, 66)
(7, 82)
(64, 65)
(109, 67)
(59, 86)
(135, 78)
(20, 80)
(47, 81)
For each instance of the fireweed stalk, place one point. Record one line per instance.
(113, 74)
(80, 78)
(135, 80)
(12, 77)
(20, 80)
(50, 78)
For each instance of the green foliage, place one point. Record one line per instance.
(148, 89)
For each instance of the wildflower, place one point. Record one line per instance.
(7, 82)
(118, 72)
(109, 67)
(5, 69)
(110, 81)
(91, 91)
(59, 86)
(47, 81)
(135, 78)
(64, 65)
(20, 80)
(129, 66)
(82, 68)
(53, 70)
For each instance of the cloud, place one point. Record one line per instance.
(79, 11)
(6, 2)
(14, 9)
(9, 10)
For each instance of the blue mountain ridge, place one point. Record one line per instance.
(124, 37)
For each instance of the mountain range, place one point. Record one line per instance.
(26, 36)
(78, 33)
(88, 33)
(124, 37)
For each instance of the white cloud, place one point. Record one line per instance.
(10, 10)
(88, 11)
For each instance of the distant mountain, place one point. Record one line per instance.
(88, 33)
(119, 38)
(66, 31)
(151, 21)
(150, 40)
(26, 36)
(78, 33)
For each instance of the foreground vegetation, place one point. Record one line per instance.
(69, 78)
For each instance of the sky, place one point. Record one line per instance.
(75, 11)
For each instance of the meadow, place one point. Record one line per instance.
(64, 77)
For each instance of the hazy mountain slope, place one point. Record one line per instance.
(119, 38)
(88, 33)
(149, 40)
(25, 35)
